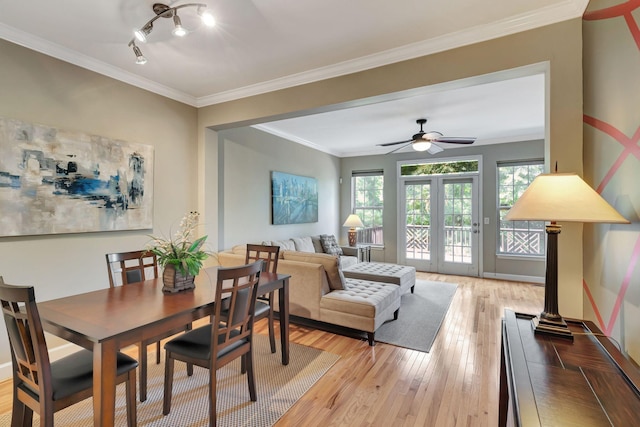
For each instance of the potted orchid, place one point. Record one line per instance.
(182, 256)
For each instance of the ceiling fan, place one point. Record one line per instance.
(426, 141)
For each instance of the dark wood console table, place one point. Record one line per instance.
(548, 381)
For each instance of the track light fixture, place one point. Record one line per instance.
(178, 31)
(140, 59)
(164, 11)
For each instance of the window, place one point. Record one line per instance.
(439, 168)
(518, 237)
(368, 203)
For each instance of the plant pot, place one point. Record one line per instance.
(174, 281)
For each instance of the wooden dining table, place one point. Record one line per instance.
(109, 319)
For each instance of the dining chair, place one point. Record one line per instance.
(42, 386)
(264, 303)
(132, 267)
(222, 341)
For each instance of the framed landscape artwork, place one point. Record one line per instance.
(53, 182)
(294, 199)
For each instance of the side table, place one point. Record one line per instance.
(549, 381)
(361, 250)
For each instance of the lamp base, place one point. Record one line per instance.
(557, 328)
(352, 237)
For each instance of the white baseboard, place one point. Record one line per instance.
(514, 277)
(54, 354)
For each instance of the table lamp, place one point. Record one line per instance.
(561, 197)
(352, 222)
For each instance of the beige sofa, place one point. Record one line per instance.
(318, 291)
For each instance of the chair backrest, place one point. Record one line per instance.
(269, 254)
(131, 267)
(29, 355)
(240, 286)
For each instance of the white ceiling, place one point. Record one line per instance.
(264, 45)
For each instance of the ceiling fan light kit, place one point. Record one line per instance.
(425, 141)
(163, 11)
(420, 145)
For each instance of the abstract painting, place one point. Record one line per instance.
(53, 181)
(294, 199)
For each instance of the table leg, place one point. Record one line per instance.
(283, 303)
(104, 384)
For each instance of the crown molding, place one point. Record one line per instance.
(534, 135)
(293, 138)
(558, 12)
(59, 52)
(561, 11)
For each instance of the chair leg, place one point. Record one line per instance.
(132, 410)
(168, 383)
(46, 415)
(142, 358)
(250, 375)
(243, 364)
(157, 352)
(21, 414)
(212, 396)
(272, 333)
(190, 365)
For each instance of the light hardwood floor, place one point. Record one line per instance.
(455, 384)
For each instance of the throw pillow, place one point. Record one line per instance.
(285, 245)
(330, 245)
(343, 280)
(317, 244)
(303, 244)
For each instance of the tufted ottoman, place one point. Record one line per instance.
(363, 305)
(401, 275)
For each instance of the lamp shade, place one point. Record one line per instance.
(353, 221)
(562, 197)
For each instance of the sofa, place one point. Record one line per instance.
(319, 291)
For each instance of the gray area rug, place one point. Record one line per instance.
(279, 387)
(420, 317)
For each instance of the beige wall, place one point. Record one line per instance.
(611, 96)
(38, 89)
(558, 47)
(250, 156)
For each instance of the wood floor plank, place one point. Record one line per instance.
(455, 384)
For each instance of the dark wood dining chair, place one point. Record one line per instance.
(264, 305)
(132, 267)
(222, 341)
(46, 387)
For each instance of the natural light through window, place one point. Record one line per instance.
(518, 237)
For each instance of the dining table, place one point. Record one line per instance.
(107, 320)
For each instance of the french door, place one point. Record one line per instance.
(440, 224)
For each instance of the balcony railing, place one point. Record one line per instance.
(512, 241)
(370, 235)
(522, 241)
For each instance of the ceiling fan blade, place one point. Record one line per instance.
(401, 147)
(435, 149)
(387, 144)
(456, 140)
